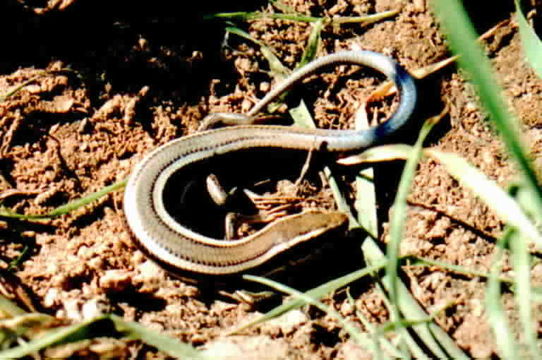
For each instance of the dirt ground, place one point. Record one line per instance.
(108, 84)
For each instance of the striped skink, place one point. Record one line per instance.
(183, 251)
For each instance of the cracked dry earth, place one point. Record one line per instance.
(95, 103)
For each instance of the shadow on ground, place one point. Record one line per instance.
(131, 44)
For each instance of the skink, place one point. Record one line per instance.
(183, 251)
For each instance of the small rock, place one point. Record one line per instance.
(248, 348)
(149, 271)
(350, 350)
(115, 281)
(71, 308)
(92, 309)
(347, 308)
(286, 323)
(50, 298)
(265, 86)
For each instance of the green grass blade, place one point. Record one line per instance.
(66, 208)
(398, 217)
(376, 335)
(432, 335)
(494, 309)
(8, 308)
(363, 20)
(107, 324)
(521, 263)
(276, 69)
(469, 176)
(489, 192)
(525, 200)
(315, 293)
(303, 118)
(379, 154)
(18, 88)
(365, 202)
(315, 37)
(162, 342)
(349, 327)
(531, 44)
(291, 16)
(19, 326)
(52, 337)
(365, 205)
(418, 261)
(462, 38)
(248, 16)
(282, 6)
(507, 208)
(72, 205)
(40, 74)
